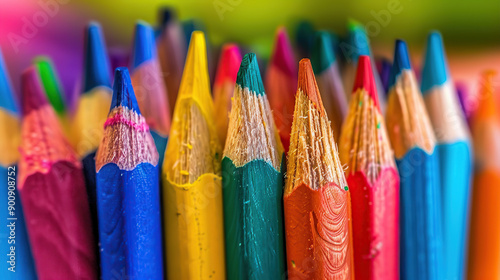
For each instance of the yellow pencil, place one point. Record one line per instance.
(191, 177)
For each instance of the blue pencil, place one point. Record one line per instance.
(453, 146)
(91, 110)
(17, 263)
(414, 144)
(128, 200)
(149, 85)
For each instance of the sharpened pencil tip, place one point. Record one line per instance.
(322, 55)
(435, 70)
(307, 84)
(123, 93)
(229, 63)
(283, 56)
(401, 61)
(7, 100)
(32, 92)
(144, 44)
(358, 41)
(167, 14)
(51, 83)
(365, 79)
(96, 72)
(249, 74)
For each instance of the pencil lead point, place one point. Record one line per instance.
(365, 79)
(322, 55)
(123, 93)
(401, 61)
(144, 44)
(32, 92)
(249, 75)
(96, 72)
(435, 70)
(307, 84)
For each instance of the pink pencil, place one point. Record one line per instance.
(52, 190)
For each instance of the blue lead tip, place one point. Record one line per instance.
(96, 72)
(144, 44)
(123, 93)
(358, 41)
(249, 74)
(6, 92)
(401, 61)
(435, 71)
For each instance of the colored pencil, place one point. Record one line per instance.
(128, 191)
(52, 190)
(453, 147)
(373, 181)
(358, 44)
(149, 86)
(329, 81)
(281, 80)
(227, 69)
(171, 53)
(384, 69)
(317, 201)
(192, 191)
(252, 178)
(304, 38)
(17, 263)
(91, 111)
(414, 144)
(484, 249)
(465, 99)
(51, 84)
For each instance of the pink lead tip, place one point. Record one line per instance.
(32, 92)
(283, 56)
(229, 63)
(365, 79)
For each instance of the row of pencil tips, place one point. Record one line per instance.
(157, 177)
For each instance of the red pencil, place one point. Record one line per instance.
(373, 180)
(281, 84)
(225, 79)
(52, 190)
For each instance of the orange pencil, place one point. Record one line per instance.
(484, 249)
(316, 199)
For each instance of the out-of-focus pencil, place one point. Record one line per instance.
(304, 38)
(373, 181)
(358, 44)
(281, 82)
(453, 147)
(52, 190)
(225, 79)
(252, 177)
(317, 201)
(128, 191)
(192, 192)
(149, 86)
(171, 52)
(329, 81)
(414, 144)
(17, 263)
(484, 249)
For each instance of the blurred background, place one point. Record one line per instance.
(471, 29)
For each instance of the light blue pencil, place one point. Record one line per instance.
(454, 151)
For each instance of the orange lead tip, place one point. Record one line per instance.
(365, 79)
(307, 83)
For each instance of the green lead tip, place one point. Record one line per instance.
(249, 74)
